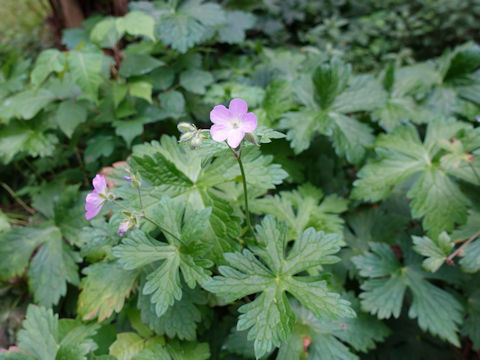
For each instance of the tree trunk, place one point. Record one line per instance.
(69, 12)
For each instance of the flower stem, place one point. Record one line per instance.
(150, 220)
(245, 191)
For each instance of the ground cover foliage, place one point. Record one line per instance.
(362, 185)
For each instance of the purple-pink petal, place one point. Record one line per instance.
(220, 132)
(238, 107)
(249, 122)
(93, 204)
(99, 183)
(123, 228)
(235, 137)
(220, 115)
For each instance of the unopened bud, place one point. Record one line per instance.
(185, 137)
(252, 138)
(185, 127)
(196, 142)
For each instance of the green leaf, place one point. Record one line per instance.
(435, 196)
(98, 239)
(4, 224)
(137, 24)
(329, 81)
(438, 199)
(156, 353)
(142, 90)
(354, 98)
(173, 104)
(270, 317)
(25, 137)
(126, 346)
(17, 246)
(69, 115)
(238, 343)
(52, 267)
(327, 99)
(350, 137)
(180, 320)
(86, 71)
(196, 81)
(106, 34)
(188, 350)
(138, 64)
(104, 290)
(384, 291)
(191, 23)
(51, 60)
(98, 146)
(236, 24)
(182, 228)
(303, 208)
(76, 340)
(471, 259)
(39, 335)
(471, 324)
(328, 338)
(129, 129)
(427, 306)
(27, 104)
(278, 99)
(302, 126)
(435, 251)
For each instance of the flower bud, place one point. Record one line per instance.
(252, 138)
(185, 127)
(186, 136)
(196, 142)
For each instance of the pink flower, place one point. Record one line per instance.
(231, 124)
(97, 197)
(123, 228)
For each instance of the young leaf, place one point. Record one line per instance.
(270, 317)
(303, 208)
(435, 251)
(104, 290)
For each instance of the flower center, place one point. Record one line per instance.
(235, 123)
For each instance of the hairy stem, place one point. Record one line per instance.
(449, 259)
(245, 190)
(151, 220)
